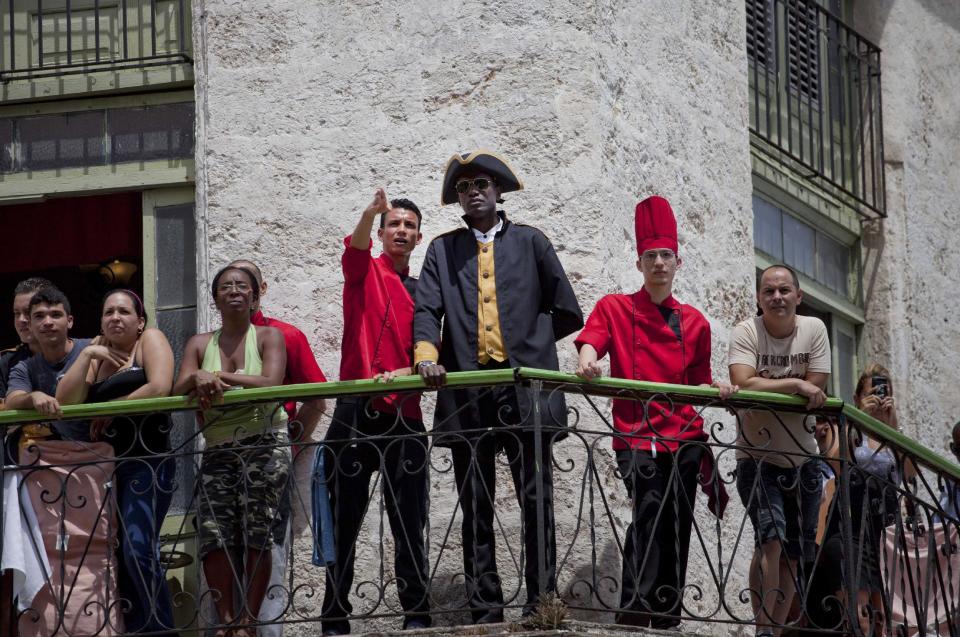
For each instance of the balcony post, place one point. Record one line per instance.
(850, 560)
(536, 390)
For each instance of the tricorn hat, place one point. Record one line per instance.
(655, 224)
(480, 161)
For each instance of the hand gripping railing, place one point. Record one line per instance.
(595, 534)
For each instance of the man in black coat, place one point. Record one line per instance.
(503, 300)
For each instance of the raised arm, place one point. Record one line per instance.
(75, 384)
(360, 239)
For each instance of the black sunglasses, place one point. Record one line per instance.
(464, 185)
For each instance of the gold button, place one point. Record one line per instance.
(489, 350)
(485, 249)
(486, 299)
(489, 328)
(486, 275)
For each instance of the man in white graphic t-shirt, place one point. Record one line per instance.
(777, 477)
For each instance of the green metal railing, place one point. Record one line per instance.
(609, 387)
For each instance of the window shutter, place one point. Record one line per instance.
(803, 48)
(760, 32)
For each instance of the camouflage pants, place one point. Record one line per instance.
(241, 487)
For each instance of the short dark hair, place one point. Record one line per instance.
(50, 296)
(793, 275)
(253, 280)
(406, 204)
(133, 296)
(32, 285)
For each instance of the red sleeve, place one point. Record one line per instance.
(355, 262)
(699, 372)
(597, 331)
(301, 365)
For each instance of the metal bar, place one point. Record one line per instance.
(40, 34)
(153, 27)
(881, 160)
(536, 387)
(96, 28)
(776, 57)
(846, 523)
(870, 111)
(13, 50)
(91, 67)
(824, 97)
(123, 9)
(181, 34)
(69, 33)
(786, 73)
(860, 121)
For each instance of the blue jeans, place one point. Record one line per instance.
(144, 490)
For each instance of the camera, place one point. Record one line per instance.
(880, 386)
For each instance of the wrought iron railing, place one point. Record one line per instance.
(52, 38)
(815, 98)
(884, 531)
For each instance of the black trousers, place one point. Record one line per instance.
(663, 490)
(474, 464)
(400, 455)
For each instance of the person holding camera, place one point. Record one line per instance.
(875, 474)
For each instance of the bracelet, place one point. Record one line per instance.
(422, 364)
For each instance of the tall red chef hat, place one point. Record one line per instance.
(656, 225)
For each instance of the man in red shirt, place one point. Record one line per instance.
(301, 367)
(651, 336)
(384, 433)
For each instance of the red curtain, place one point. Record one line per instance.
(71, 232)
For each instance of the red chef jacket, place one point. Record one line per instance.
(301, 365)
(377, 325)
(643, 346)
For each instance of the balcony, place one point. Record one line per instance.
(815, 99)
(54, 48)
(917, 551)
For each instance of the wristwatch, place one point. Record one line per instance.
(421, 364)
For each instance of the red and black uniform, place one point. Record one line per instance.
(659, 446)
(377, 337)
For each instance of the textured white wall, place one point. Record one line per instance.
(912, 262)
(306, 107)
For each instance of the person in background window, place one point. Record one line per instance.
(778, 478)
(651, 336)
(127, 362)
(27, 347)
(245, 467)
(69, 485)
(301, 367)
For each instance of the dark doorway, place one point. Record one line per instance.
(68, 241)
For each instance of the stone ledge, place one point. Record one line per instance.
(516, 629)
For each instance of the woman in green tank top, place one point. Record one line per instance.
(246, 463)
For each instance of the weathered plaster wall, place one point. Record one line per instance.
(913, 257)
(307, 107)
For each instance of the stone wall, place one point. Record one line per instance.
(912, 258)
(305, 108)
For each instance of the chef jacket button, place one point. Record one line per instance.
(486, 299)
(486, 275)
